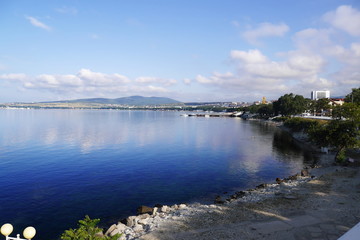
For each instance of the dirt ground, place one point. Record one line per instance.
(323, 208)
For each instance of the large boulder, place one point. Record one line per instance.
(304, 173)
(116, 229)
(131, 221)
(144, 209)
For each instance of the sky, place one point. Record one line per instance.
(188, 50)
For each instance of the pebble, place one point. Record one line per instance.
(137, 226)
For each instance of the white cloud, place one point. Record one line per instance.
(265, 30)
(256, 73)
(35, 22)
(187, 81)
(251, 56)
(322, 58)
(13, 76)
(67, 10)
(345, 18)
(101, 79)
(147, 80)
(89, 84)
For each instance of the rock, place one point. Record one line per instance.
(158, 205)
(293, 177)
(143, 221)
(218, 200)
(240, 194)
(155, 210)
(115, 229)
(138, 228)
(279, 180)
(263, 185)
(164, 209)
(143, 216)
(121, 227)
(144, 209)
(111, 228)
(304, 173)
(99, 234)
(182, 206)
(131, 221)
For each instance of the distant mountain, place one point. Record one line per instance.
(133, 100)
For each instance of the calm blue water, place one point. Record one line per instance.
(56, 166)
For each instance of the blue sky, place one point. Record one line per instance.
(198, 50)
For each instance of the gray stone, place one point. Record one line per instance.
(144, 209)
(143, 221)
(143, 216)
(155, 210)
(131, 221)
(182, 206)
(138, 228)
(111, 228)
(304, 173)
(164, 209)
(120, 228)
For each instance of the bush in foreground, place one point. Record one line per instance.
(87, 230)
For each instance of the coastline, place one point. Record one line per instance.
(201, 221)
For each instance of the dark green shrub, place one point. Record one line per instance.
(87, 230)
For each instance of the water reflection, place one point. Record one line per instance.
(117, 160)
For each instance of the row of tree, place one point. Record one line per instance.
(290, 104)
(340, 134)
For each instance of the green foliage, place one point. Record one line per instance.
(337, 134)
(290, 104)
(280, 119)
(321, 106)
(299, 124)
(349, 111)
(87, 230)
(265, 110)
(341, 156)
(354, 96)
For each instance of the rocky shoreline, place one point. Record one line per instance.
(151, 219)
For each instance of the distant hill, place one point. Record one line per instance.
(133, 100)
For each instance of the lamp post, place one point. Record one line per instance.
(7, 229)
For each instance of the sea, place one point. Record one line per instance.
(58, 165)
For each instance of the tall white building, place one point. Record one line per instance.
(315, 95)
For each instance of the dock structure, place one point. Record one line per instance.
(233, 114)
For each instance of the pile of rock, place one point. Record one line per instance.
(148, 219)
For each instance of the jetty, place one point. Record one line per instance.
(222, 114)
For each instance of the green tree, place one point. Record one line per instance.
(354, 96)
(87, 230)
(266, 110)
(322, 106)
(349, 111)
(337, 134)
(290, 104)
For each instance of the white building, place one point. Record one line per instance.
(315, 95)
